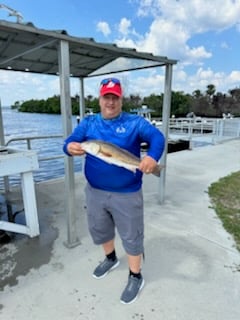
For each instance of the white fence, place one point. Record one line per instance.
(203, 129)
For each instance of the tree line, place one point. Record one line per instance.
(205, 104)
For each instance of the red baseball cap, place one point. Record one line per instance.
(111, 85)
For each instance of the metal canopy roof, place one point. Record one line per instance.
(24, 47)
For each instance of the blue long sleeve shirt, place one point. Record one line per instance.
(127, 131)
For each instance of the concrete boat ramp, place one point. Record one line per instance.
(191, 268)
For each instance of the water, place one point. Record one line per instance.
(21, 124)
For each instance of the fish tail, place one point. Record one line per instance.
(157, 170)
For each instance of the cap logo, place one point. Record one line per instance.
(110, 84)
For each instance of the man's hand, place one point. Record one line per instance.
(147, 165)
(74, 148)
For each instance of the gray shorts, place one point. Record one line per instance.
(123, 211)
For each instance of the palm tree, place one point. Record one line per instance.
(197, 94)
(211, 89)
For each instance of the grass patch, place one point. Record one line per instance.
(225, 198)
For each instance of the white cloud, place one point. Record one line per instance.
(175, 22)
(145, 85)
(203, 77)
(234, 78)
(27, 86)
(126, 42)
(168, 39)
(124, 26)
(103, 27)
(148, 7)
(195, 54)
(198, 15)
(153, 81)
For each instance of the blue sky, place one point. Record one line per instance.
(203, 35)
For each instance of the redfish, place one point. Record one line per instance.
(115, 155)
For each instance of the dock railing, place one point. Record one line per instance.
(46, 146)
(215, 129)
(29, 139)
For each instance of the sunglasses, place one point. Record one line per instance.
(106, 81)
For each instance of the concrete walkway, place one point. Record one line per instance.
(191, 268)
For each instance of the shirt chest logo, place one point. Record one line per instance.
(120, 129)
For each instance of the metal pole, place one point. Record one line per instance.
(165, 126)
(81, 100)
(66, 110)
(2, 142)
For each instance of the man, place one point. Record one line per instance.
(114, 194)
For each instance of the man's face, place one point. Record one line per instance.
(111, 105)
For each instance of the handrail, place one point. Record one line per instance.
(28, 140)
(29, 147)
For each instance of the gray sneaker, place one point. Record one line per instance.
(132, 289)
(105, 267)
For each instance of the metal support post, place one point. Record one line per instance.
(66, 110)
(165, 126)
